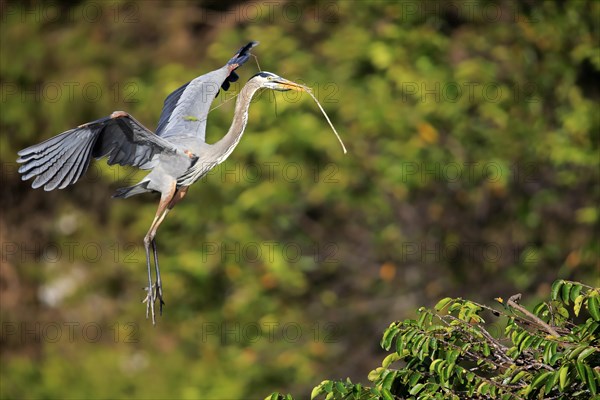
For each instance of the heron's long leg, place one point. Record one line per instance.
(161, 212)
(148, 299)
(179, 194)
(158, 284)
(177, 197)
(158, 280)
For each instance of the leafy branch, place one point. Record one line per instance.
(450, 352)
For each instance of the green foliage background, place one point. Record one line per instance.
(503, 93)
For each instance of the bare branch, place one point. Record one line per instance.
(512, 302)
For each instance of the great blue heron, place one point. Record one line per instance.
(176, 154)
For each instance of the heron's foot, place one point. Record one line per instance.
(149, 300)
(159, 295)
(154, 293)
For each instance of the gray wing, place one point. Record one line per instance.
(185, 110)
(62, 160)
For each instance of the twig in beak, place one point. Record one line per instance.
(309, 91)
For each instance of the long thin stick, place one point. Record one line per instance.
(512, 302)
(309, 91)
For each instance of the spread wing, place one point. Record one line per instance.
(62, 160)
(185, 110)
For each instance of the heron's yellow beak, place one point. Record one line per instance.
(293, 86)
(284, 84)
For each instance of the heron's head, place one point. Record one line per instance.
(274, 82)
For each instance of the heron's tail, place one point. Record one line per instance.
(129, 191)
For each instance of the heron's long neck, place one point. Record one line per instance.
(231, 139)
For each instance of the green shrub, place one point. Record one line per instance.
(452, 352)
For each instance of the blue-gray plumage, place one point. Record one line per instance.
(176, 155)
